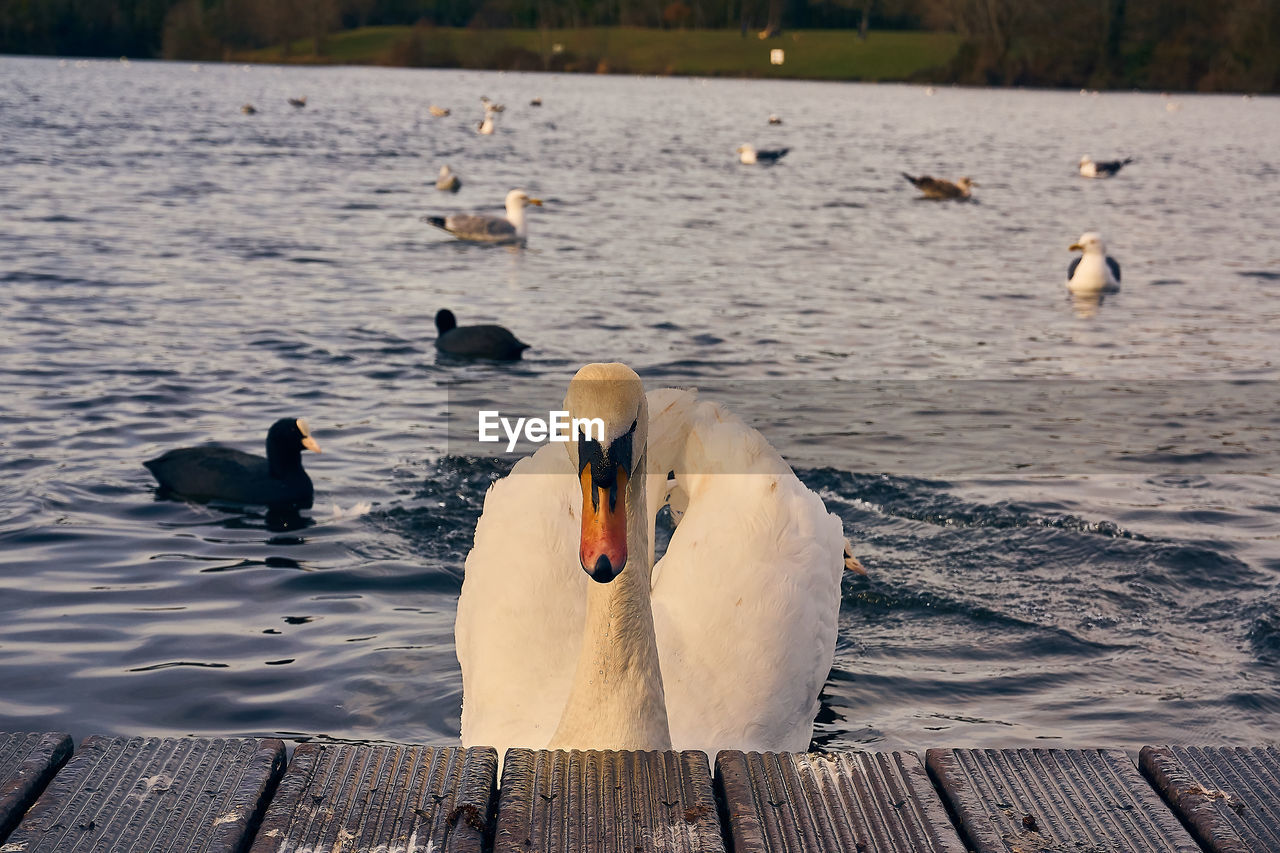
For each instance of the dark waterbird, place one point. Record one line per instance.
(488, 341)
(215, 473)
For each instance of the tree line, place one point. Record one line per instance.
(1211, 45)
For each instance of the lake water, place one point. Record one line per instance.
(1069, 513)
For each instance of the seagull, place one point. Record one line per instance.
(448, 181)
(936, 188)
(485, 128)
(536, 102)
(438, 112)
(298, 102)
(748, 155)
(773, 119)
(1094, 271)
(482, 228)
(1105, 169)
(248, 109)
(490, 106)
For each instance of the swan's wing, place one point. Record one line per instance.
(747, 597)
(523, 606)
(480, 228)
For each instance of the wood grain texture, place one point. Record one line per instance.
(606, 802)
(832, 803)
(1081, 800)
(390, 798)
(186, 795)
(1230, 797)
(28, 761)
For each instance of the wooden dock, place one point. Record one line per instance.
(209, 794)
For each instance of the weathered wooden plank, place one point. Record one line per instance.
(186, 795)
(1081, 800)
(390, 798)
(1229, 797)
(833, 803)
(28, 761)
(606, 802)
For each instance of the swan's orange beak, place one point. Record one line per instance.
(603, 550)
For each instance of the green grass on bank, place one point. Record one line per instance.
(809, 54)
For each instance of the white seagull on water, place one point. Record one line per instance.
(448, 181)
(482, 228)
(1105, 169)
(1094, 271)
(749, 156)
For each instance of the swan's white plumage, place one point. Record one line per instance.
(523, 605)
(745, 600)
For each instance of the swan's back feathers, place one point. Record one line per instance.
(746, 599)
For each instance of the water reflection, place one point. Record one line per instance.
(1086, 305)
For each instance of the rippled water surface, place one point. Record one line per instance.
(174, 272)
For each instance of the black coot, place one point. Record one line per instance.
(220, 473)
(492, 342)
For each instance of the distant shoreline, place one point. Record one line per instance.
(806, 54)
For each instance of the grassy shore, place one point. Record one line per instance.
(809, 54)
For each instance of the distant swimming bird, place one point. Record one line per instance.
(490, 106)
(773, 119)
(299, 102)
(536, 102)
(1094, 271)
(487, 341)
(248, 109)
(220, 473)
(438, 112)
(485, 128)
(936, 188)
(482, 228)
(448, 181)
(748, 155)
(1105, 169)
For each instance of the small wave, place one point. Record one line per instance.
(355, 511)
(1264, 634)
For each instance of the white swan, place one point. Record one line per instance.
(569, 637)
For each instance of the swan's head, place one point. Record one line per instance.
(607, 463)
(1088, 243)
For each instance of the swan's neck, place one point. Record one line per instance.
(616, 701)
